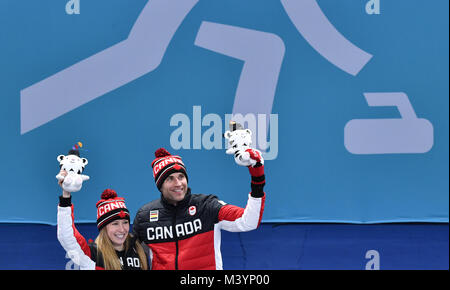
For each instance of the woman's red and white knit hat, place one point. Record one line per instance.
(165, 164)
(110, 208)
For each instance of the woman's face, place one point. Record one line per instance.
(117, 232)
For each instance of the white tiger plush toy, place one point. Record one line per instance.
(74, 166)
(239, 141)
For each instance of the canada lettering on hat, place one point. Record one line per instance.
(166, 164)
(110, 207)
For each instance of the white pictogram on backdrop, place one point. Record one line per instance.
(262, 53)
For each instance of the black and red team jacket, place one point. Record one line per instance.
(82, 253)
(187, 236)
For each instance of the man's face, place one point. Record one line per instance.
(174, 188)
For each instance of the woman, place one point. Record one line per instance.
(114, 248)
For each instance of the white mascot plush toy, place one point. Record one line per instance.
(239, 141)
(74, 166)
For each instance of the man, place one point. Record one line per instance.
(182, 229)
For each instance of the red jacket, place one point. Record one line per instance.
(187, 236)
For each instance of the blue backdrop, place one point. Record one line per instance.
(349, 102)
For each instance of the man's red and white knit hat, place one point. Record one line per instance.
(110, 208)
(165, 164)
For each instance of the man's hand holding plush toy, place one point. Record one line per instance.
(239, 141)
